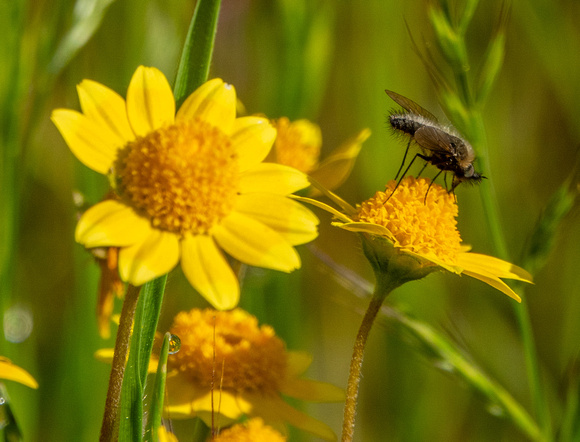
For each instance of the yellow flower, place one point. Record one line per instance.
(13, 372)
(189, 184)
(253, 430)
(163, 435)
(415, 230)
(298, 145)
(250, 369)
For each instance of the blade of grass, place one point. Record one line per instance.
(156, 408)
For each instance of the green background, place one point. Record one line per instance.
(328, 61)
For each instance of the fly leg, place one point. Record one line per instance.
(402, 176)
(404, 158)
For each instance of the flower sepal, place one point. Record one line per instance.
(390, 264)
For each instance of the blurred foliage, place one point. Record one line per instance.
(330, 62)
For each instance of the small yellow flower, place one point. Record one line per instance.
(189, 185)
(417, 231)
(252, 431)
(298, 145)
(250, 369)
(13, 372)
(163, 435)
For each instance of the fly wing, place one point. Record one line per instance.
(410, 105)
(435, 140)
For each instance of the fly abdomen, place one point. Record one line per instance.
(407, 123)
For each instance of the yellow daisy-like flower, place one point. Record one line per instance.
(250, 369)
(163, 435)
(298, 145)
(252, 431)
(416, 226)
(190, 184)
(13, 372)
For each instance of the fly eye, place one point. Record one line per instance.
(468, 172)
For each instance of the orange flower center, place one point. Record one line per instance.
(253, 430)
(183, 177)
(247, 357)
(297, 144)
(420, 222)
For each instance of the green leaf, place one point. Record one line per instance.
(493, 60)
(9, 430)
(88, 15)
(543, 235)
(197, 51)
(156, 407)
(449, 358)
(132, 394)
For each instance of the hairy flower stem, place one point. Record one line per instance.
(383, 288)
(110, 417)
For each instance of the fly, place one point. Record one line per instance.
(440, 145)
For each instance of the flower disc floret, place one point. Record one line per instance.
(419, 219)
(247, 357)
(183, 177)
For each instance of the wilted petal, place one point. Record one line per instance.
(336, 168)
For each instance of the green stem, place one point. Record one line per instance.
(384, 286)
(119, 361)
(491, 210)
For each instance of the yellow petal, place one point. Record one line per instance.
(297, 363)
(363, 227)
(164, 435)
(336, 168)
(225, 407)
(93, 147)
(105, 355)
(314, 391)
(155, 256)
(186, 399)
(272, 178)
(493, 265)
(253, 138)
(106, 108)
(214, 102)
(150, 102)
(346, 207)
(208, 271)
(493, 281)
(253, 243)
(339, 215)
(13, 372)
(275, 412)
(289, 218)
(111, 223)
